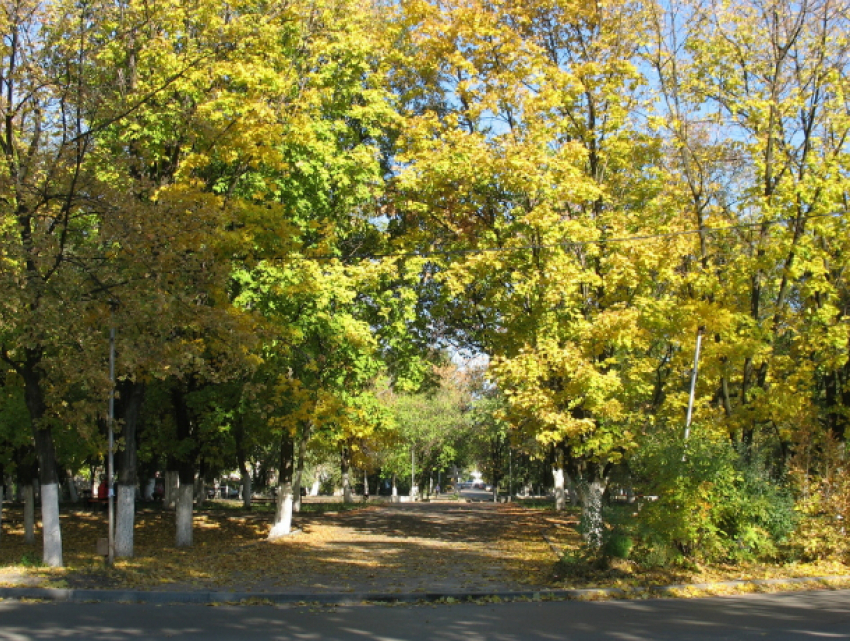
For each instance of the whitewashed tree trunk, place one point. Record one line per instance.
(572, 492)
(591, 512)
(317, 484)
(282, 525)
(200, 491)
(150, 485)
(560, 496)
(394, 498)
(52, 534)
(172, 484)
(73, 496)
(124, 520)
(28, 496)
(346, 488)
(298, 477)
(184, 515)
(246, 490)
(1, 507)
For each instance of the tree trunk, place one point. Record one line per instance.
(560, 495)
(125, 520)
(51, 532)
(73, 495)
(572, 491)
(1, 508)
(185, 498)
(186, 466)
(242, 461)
(28, 492)
(345, 465)
(282, 525)
(131, 398)
(26, 477)
(365, 485)
(317, 484)
(200, 490)
(172, 483)
(394, 498)
(299, 470)
(591, 511)
(46, 453)
(247, 490)
(148, 489)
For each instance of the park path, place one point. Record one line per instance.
(400, 548)
(388, 549)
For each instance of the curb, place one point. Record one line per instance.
(70, 595)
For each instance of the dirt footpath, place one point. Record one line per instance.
(401, 548)
(387, 549)
(413, 548)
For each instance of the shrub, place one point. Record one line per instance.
(819, 470)
(712, 503)
(617, 545)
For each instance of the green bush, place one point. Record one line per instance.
(712, 503)
(617, 545)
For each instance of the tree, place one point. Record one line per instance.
(527, 161)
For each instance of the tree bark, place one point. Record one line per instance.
(125, 519)
(185, 499)
(559, 477)
(28, 492)
(51, 532)
(200, 490)
(27, 473)
(131, 400)
(345, 465)
(73, 495)
(282, 525)
(560, 494)
(299, 471)
(171, 480)
(46, 453)
(247, 489)
(186, 467)
(591, 511)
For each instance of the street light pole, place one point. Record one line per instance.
(693, 384)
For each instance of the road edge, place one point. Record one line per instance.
(202, 597)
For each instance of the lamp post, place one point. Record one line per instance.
(693, 383)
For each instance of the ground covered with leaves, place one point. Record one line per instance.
(421, 548)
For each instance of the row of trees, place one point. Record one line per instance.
(280, 204)
(604, 181)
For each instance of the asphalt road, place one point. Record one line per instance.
(777, 617)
